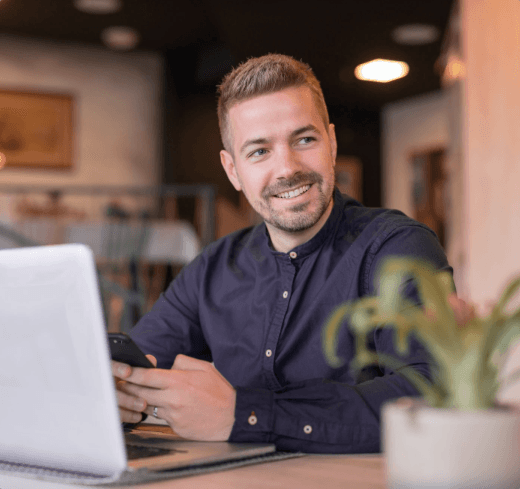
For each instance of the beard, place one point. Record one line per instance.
(299, 217)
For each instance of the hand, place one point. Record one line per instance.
(131, 408)
(464, 312)
(193, 398)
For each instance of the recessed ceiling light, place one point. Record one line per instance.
(381, 70)
(98, 6)
(120, 38)
(415, 34)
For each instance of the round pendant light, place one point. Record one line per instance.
(98, 6)
(381, 70)
(415, 34)
(120, 38)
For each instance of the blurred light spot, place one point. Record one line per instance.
(455, 69)
(120, 38)
(415, 34)
(381, 70)
(98, 6)
(3, 159)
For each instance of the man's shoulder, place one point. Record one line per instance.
(371, 222)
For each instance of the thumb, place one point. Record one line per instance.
(152, 359)
(183, 362)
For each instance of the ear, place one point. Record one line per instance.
(229, 166)
(333, 142)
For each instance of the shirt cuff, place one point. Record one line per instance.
(253, 416)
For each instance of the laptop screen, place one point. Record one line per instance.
(58, 401)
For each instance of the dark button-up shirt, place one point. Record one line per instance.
(258, 315)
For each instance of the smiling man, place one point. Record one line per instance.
(281, 155)
(254, 303)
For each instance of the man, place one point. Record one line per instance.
(255, 302)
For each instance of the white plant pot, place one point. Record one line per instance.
(436, 448)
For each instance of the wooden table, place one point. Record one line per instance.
(309, 471)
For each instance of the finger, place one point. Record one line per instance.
(130, 416)
(152, 359)
(152, 397)
(151, 377)
(463, 311)
(121, 370)
(129, 401)
(183, 362)
(150, 410)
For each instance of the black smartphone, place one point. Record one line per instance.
(124, 350)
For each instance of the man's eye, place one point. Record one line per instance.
(258, 152)
(306, 140)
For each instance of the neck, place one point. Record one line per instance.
(285, 241)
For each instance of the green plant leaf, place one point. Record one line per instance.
(465, 372)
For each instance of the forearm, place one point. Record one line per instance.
(317, 416)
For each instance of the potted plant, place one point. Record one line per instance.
(455, 435)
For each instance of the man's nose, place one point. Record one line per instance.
(289, 164)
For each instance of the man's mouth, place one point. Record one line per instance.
(293, 193)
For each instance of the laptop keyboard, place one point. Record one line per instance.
(134, 452)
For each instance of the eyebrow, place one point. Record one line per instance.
(251, 142)
(310, 127)
(295, 133)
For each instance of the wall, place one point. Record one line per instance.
(484, 154)
(117, 111)
(409, 125)
(485, 234)
(427, 122)
(491, 145)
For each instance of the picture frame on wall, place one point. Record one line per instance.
(36, 130)
(349, 176)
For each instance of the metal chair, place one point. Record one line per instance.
(132, 297)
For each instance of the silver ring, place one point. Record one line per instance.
(155, 412)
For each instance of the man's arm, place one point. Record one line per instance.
(312, 416)
(322, 416)
(200, 404)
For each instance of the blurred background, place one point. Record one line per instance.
(109, 134)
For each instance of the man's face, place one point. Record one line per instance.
(283, 160)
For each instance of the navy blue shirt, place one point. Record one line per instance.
(258, 314)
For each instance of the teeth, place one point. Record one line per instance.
(294, 193)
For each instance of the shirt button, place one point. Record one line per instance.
(252, 420)
(307, 429)
(285, 295)
(293, 254)
(268, 353)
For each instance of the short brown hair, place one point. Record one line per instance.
(259, 76)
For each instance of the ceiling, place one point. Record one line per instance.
(211, 36)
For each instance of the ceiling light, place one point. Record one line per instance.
(381, 70)
(120, 38)
(415, 34)
(98, 6)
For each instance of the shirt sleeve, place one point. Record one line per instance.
(173, 325)
(323, 416)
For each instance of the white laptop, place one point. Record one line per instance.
(59, 418)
